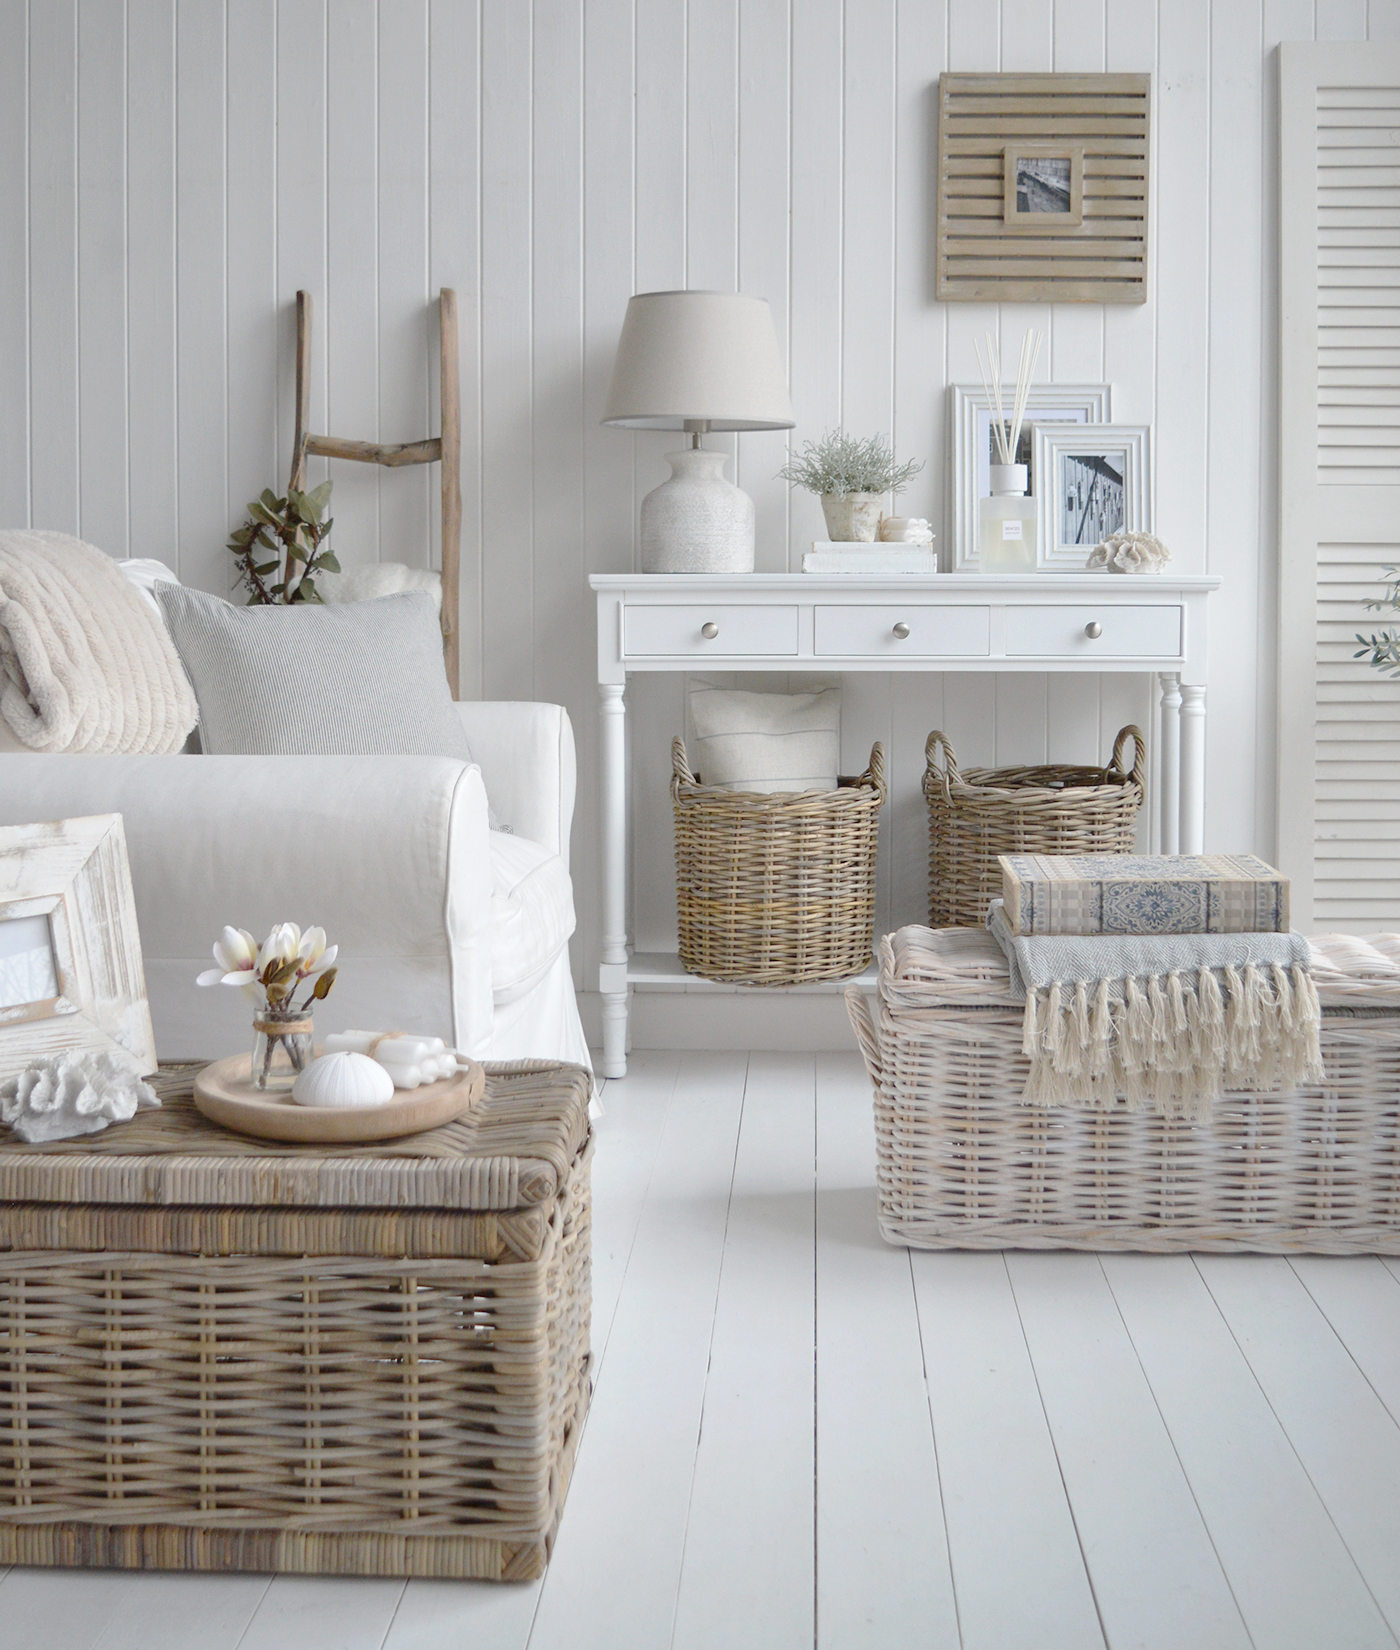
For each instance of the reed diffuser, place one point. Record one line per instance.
(1006, 522)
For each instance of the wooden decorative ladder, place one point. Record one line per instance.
(444, 448)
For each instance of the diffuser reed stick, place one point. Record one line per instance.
(1008, 440)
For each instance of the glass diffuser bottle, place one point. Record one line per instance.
(1006, 522)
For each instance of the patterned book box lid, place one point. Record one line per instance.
(1148, 894)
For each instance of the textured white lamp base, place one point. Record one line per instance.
(697, 522)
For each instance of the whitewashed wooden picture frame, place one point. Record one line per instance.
(969, 451)
(1095, 480)
(71, 976)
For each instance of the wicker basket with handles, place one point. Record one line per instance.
(975, 815)
(776, 888)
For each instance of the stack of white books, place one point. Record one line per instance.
(826, 557)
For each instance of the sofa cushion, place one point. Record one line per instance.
(532, 914)
(356, 679)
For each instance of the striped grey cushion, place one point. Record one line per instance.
(354, 679)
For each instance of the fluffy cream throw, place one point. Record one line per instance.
(85, 665)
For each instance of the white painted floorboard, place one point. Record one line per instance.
(802, 1435)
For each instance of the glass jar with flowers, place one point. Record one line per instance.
(270, 976)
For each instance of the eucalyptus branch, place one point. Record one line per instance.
(292, 531)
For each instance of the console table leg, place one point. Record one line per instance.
(612, 973)
(1193, 768)
(1170, 810)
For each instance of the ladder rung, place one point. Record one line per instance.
(375, 452)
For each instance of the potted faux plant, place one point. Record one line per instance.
(851, 477)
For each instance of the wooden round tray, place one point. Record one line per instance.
(224, 1092)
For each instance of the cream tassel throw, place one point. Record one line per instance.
(1162, 1024)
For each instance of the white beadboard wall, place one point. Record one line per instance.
(171, 171)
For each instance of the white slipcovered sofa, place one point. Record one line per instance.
(444, 926)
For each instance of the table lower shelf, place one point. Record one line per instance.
(662, 971)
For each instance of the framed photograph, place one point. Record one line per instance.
(1042, 186)
(71, 976)
(970, 450)
(1094, 482)
(1043, 190)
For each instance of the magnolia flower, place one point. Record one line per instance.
(236, 953)
(314, 956)
(276, 968)
(280, 946)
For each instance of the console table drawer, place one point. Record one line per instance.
(904, 632)
(653, 631)
(1052, 632)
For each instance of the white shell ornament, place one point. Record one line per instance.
(343, 1081)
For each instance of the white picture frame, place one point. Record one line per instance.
(72, 978)
(1095, 481)
(969, 451)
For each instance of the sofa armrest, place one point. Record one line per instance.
(390, 854)
(526, 755)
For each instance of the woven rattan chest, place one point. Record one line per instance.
(963, 1163)
(220, 1354)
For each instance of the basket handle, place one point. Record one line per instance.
(875, 773)
(680, 766)
(863, 1023)
(1139, 754)
(950, 757)
(944, 777)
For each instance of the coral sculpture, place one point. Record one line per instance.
(72, 1094)
(1129, 553)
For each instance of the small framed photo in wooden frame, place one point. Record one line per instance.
(970, 450)
(1042, 187)
(71, 975)
(1095, 480)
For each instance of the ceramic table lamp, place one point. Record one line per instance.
(697, 361)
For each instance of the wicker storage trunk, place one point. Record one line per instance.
(776, 888)
(975, 815)
(963, 1164)
(222, 1354)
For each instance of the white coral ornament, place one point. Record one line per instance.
(1129, 553)
(73, 1094)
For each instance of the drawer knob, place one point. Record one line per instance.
(1093, 630)
(709, 630)
(901, 630)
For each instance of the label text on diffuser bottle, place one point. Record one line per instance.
(1010, 530)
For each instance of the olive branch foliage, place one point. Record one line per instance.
(279, 548)
(1383, 651)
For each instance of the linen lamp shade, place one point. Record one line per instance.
(697, 361)
(687, 358)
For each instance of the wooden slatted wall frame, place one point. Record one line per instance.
(987, 251)
(446, 447)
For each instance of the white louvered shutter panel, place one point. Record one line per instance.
(1339, 719)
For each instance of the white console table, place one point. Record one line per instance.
(948, 622)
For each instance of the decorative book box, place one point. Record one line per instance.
(1131, 894)
(219, 1353)
(964, 1163)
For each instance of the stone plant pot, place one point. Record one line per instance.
(852, 518)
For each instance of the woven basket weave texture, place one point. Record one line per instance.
(776, 888)
(977, 814)
(962, 1163)
(221, 1353)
